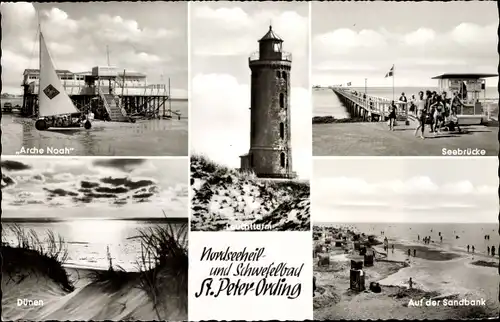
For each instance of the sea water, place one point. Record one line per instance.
(88, 240)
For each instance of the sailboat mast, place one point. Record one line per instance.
(39, 63)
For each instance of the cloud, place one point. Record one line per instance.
(418, 54)
(338, 197)
(79, 43)
(220, 122)
(94, 183)
(233, 31)
(14, 165)
(122, 164)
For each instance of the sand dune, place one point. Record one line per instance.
(90, 300)
(223, 197)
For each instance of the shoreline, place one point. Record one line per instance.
(437, 273)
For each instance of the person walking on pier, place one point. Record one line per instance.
(421, 116)
(403, 99)
(392, 116)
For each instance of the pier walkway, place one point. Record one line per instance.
(371, 108)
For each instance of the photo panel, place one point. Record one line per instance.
(405, 238)
(387, 82)
(95, 79)
(250, 105)
(94, 239)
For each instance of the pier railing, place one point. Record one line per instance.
(373, 104)
(485, 107)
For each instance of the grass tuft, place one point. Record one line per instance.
(30, 256)
(164, 258)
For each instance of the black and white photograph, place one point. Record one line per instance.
(404, 78)
(95, 79)
(405, 238)
(250, 104)
(92, 239)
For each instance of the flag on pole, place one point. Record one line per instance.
(390, 73)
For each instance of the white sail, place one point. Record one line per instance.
(52, 98)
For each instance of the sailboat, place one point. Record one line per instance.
(55, 108)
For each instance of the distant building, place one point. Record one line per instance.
(270, 154)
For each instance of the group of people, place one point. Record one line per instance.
(437, 110)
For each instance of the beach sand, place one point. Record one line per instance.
(436, 273)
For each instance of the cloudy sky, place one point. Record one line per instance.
(90, 187)
(223, 35)
(352, 41)
(147, 37)
(462, 190)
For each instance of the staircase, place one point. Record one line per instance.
(112, 105)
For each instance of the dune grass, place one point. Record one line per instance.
(115, 277)
(164, 258)
(30, 256)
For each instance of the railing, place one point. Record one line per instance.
(380, 105)
(283, 55)
(105, 102)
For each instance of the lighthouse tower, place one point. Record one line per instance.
(270, 154)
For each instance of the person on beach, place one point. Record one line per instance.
(421, 114)
(409, 252)
(413, 104)
(393, 248)
(473, 248)
(418, 237)
(493, 251)
(468, 248)
(456, 102)
(410, 283)
(438, 108)
(428, 103)
(441, 238)
(488, 250)
(392, 115)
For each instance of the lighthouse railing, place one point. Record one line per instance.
(284, 56)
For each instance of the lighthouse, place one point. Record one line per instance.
(270, 154)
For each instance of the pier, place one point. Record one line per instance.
(366, 134)
(371, 108)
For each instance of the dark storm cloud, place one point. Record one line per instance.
(122, 164)
(60, 192)
(111, 190)
(131, 184)
(7, 181)
(88, 184)
(14, 165)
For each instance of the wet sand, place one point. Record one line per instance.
(374, 139)
(143, 138)
(436, 273)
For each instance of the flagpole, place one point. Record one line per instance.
(393, 76)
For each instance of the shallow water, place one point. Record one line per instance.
(143, 138)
